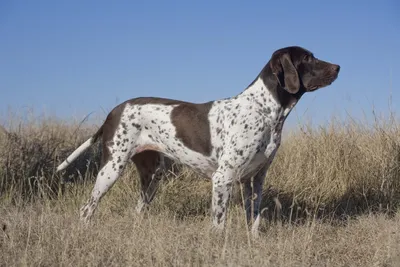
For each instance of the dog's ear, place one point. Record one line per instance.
(285, 72)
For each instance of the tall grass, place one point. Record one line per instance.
(30, 152)
(321, 177)
(343, 168)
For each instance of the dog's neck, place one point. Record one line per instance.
(266, 90)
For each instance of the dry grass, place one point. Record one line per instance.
(331, 199)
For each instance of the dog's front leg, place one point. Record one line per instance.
(222, 190)
(253, 194)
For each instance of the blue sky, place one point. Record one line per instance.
(72, 58)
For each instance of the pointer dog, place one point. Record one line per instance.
(227, 140)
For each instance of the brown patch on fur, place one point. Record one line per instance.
(155, 100)
(190, 120)
(107, 131)
(293, 71)
(193, 127)
(109, 127)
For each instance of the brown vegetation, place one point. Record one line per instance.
(331, 199)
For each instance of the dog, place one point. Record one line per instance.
(229, 140)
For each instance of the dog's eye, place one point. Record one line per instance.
(307, 58)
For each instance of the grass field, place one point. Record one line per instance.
(331, 198)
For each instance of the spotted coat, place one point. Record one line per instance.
(229, 140)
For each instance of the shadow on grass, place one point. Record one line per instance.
(283, 207)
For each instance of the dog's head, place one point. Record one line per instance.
(296, 69)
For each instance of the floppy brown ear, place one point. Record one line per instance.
(284, 70)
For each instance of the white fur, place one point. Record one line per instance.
(75, 154)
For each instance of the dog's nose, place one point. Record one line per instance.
(336, 68)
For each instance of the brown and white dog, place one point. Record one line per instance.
(227, 140)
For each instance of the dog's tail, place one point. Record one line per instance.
(81, 149)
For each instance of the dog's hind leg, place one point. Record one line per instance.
(150, 166)
(106, 177)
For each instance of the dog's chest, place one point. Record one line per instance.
(259, 142)
(254, 164)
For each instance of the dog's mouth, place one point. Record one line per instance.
(326, 81)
